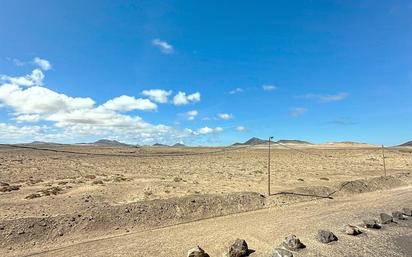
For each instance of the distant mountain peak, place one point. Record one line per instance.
(179, 145)
(108, 142)
(409, 143)
(160, 145)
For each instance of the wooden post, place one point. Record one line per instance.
(269, 167)
(383, 159)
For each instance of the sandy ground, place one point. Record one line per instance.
(78, 190)
(265, 229)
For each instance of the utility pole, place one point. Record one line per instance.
(270, 138)
(383, 158)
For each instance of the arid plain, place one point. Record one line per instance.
(70, 191)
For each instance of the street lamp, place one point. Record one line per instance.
(270, 138)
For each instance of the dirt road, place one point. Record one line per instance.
(265, 229)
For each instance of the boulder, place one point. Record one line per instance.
(293, 243)
(279, 252)
(197, 252)
(352, 230)
(386, 218)
(371, 224)
(398, 215)
(325, 236)
(407, 211)
(239, 248)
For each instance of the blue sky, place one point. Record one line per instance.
(205, 72)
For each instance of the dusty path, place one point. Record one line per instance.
(265, 229)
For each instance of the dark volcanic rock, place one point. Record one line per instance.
(386, 218)
(398, 215)
(197, 252)
(293, 243)
(325, 236)
(352, 230)
(239, 248)
(407, 211)
(371, 224)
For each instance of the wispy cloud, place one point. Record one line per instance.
(240, 128)
(326, 98)
(207, 130)
(191, 114)
(236, 91)
(342, 122)
(269, 87)
(42, 63)
(225, 116)
(164, 46)
(297, 111)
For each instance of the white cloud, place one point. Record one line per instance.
(42, 63)
(236, 90)
(126, 103)
(207, 130)
(191, 114)
(164, 46)
(34, 79)
(27, 118)
(240, 128)
(74, 118)
(269, 87)
(157, 95)
(40, 100)
(225, 116)
(182, 99)
(298, 111)
(326, 98)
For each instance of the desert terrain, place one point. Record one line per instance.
(55, 196)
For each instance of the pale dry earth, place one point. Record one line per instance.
(265, 229)
(100, 184)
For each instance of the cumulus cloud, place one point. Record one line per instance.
(225, 116)
(298, 111)
(74, 118)
(182, 99)
(40, 100)
(269, 87)
(191, 114)
(164, 46)
(207, 130)
(34, 79)
(236, 91)
(240, 128)
(126, 103)
(157, 95)
(326, 98)
(42, 63)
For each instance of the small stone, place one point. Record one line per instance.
(352, 230)
(60, 233)
(1, 227)
(386, 218)
(126, 210)
(197, 252)
(239, 248)
(279, 252)
(325, 236)
(371, 224)
(407, 211)
(20, 232)
(73, 219)
(293, 243)
(398, 215)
